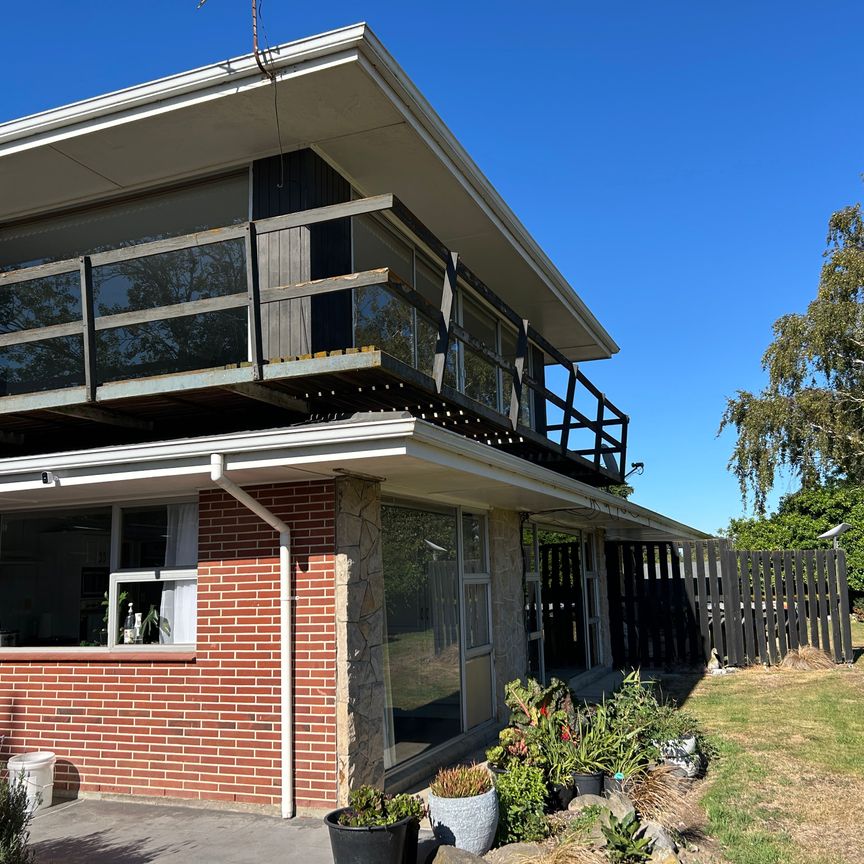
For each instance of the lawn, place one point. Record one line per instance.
(788, 785)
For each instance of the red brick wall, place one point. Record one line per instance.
(204, 727)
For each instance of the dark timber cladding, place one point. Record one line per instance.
(297, 181)
(671, 603)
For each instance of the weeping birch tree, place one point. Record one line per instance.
(809, 418)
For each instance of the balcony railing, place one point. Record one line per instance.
(195, 303)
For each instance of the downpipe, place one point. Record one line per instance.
(286, 623)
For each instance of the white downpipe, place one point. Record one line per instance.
(217, 474)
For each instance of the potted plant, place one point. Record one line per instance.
(412, 808)
(374, 828)
(560, 760)
(593, 745)
(627, 760)
(463, 808)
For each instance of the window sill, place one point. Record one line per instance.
(94, 655)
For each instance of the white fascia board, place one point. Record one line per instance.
(187, 88)
(423, 118)
(191, 457)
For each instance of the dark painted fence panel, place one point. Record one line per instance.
(671, 603)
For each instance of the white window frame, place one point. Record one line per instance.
(119, 576)
(534, 591)
(123, 577)
(127, 575)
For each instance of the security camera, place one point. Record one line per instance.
(48, 478)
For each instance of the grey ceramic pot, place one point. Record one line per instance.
(466, 823)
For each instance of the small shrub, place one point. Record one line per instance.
(14, 823)
(623, 843)
(370, 807)
(461, 781)
(404, 805)
(858, 609)
(521, 800)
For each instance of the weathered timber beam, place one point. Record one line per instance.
(98, 414)
(12, 439)
(362, 279)
(329, 212)
(272, 397)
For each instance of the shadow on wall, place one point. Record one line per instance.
(97, 848)
(67, 780)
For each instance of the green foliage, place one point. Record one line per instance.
(624, 845)
(14, 821)
(403, 806)
(461, 781)
(370, 808)
(622, 490)
(810, 416)
(802, 516)
(521, 800)
(596, 740)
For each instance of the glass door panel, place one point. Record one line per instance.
(421, 648)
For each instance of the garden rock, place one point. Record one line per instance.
(514, 853)
(663, 856)
(583, 802)
(660, 837)
(452, 855)
(620, 805)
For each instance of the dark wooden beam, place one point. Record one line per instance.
(97, 414)
(87, 318)
(253, 291)
(265, 394)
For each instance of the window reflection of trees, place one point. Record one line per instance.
(167, 279)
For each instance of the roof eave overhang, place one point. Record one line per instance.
(412, 457)
(355, 43)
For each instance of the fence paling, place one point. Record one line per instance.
(673, 602)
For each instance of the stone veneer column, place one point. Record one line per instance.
(508, 602)
(360, 693)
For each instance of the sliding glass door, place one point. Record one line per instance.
(437, 632)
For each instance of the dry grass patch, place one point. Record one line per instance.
(807, 658)
(788, 786)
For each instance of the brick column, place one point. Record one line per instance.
(360, 692)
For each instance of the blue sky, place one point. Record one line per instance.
(677, 160)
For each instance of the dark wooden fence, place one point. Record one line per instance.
(671, 603)
(563, 605)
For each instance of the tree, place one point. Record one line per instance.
(802, 516)
(810, 417)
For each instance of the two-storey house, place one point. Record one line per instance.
(279, 434)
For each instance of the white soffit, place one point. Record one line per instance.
(412, 457)
(340, 92)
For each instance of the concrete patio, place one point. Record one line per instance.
(110, 832)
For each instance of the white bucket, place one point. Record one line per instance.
(36, 771)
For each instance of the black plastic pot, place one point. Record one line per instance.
(588, 784)
(384, 844)
(412, 835)
(560, 796)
